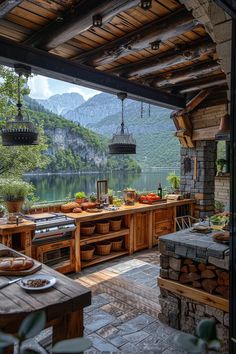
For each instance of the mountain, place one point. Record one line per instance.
(95, 109)
(156, 144)
(72, 147)
(61, 104)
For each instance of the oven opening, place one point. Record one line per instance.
(54, 257)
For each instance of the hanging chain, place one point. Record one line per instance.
(18, 90)
(149, 110)
(122, 116)
(141, 112)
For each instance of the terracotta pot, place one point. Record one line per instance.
(80, 200)
(14, 206)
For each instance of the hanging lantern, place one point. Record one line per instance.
(20, 131)
(97, 21)
(146, 4)
(122, 141)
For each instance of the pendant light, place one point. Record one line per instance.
(20, 131)
(122, 142)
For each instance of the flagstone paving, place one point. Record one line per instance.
(123, 317)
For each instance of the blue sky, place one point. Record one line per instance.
(43, 87)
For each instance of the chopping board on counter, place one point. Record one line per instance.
(8, 253)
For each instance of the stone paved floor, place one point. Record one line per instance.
(123, 317)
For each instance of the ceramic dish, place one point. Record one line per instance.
(27, 283)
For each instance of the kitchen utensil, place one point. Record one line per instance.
(3, 285)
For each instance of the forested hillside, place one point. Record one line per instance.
(72, 147)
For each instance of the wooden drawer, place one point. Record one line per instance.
(160, 229)
(162, 214)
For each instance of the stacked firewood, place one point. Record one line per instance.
(198, 275)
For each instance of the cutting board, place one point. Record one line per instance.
(13, 253)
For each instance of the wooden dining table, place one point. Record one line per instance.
(63, 305)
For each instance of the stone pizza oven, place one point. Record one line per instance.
(194, 282)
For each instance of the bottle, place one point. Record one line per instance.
(159, 191)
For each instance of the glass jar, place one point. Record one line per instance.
(129, 196)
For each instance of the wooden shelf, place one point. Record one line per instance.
(85, 240)
(99, 259)
(194, 294)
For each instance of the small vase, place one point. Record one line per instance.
(14, 206)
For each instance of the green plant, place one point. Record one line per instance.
(80, 195)
(220, 164)
(93, 197)
(110, 192)
(205, 340)
(219, 206)
(15, 189)
(32, 325)
(174, 180)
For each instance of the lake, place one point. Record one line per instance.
(60, 186)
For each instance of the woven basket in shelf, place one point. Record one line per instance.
(103, 248)
(87, 229)
(115, 224)
(87, 252)
(103, 227)
(116, 245)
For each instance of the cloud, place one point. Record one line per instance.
(39, 87)
(84, 91)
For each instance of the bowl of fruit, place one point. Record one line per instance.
(150, 198)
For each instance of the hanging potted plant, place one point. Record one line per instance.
(14, 192)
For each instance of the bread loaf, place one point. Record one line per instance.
(17, 263)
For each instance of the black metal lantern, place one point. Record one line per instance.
(146, 4)
(97, 21)
(20, 131)
(122, 141)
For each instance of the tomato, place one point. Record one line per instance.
(142, 197)
(152, 194)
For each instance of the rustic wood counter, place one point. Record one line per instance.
(127, 210)
(63, 305)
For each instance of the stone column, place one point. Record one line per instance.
(200, 183)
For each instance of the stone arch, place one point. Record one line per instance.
(218, 24)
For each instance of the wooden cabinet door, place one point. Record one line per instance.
(141, 231)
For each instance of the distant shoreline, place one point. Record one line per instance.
(150, 169)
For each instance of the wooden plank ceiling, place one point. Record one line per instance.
(162, 47)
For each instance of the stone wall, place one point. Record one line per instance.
(184, 314)
(200, 181)
(222, 190)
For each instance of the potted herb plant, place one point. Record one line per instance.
(80, 197)
(174, 181)
(14, 192)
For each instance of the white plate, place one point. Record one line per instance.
(52, 280)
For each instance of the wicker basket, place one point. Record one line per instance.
(103, 248)
(116, 245)
(103, 227)
(115, 224)
(87, 252)
(87, 230)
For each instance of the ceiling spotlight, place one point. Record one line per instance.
(146, 4)
(155, 45)
(97, 21)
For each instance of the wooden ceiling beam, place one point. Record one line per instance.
(7, 5)
(73, 23)
(53, 66)
(186, 74)
(143, 38)
(207, 82)
(148, 67)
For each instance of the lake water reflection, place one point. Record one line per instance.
(58, 187)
